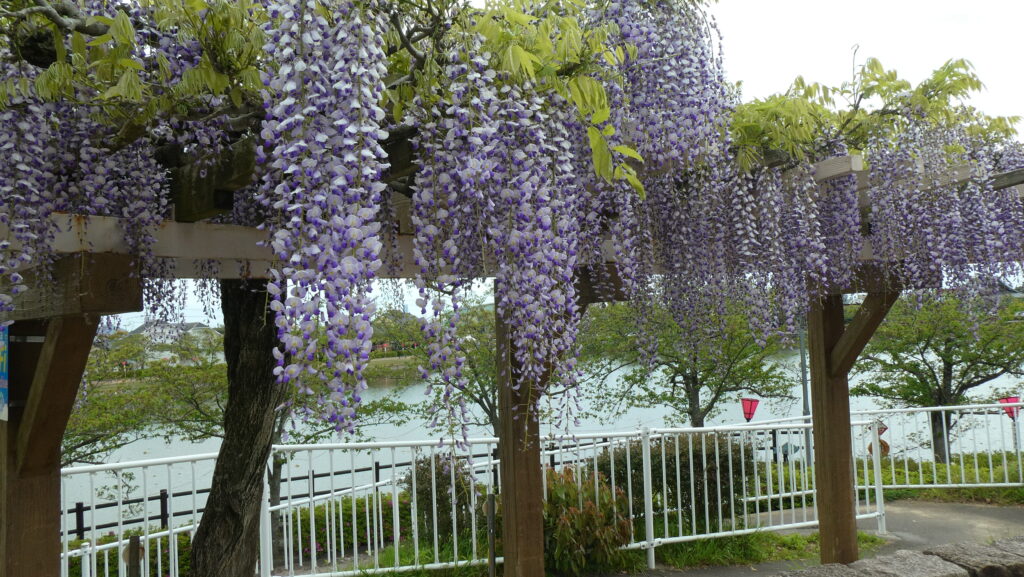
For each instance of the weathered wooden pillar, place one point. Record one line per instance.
(41, 400)
(833, 349)
(50, 343)
(522, 488)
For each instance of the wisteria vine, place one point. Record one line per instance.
(505, 188)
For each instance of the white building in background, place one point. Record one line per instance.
(164, 333)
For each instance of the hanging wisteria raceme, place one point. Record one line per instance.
(62, 160)
(25, 181)
(323, 189)
(934, 215)
(676, 95)
(498, 194)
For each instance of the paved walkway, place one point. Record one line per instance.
(912, 525)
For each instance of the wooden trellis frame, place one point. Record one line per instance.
(95, 277)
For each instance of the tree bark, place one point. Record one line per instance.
(940, 435)
(227, 542)
(693, 401)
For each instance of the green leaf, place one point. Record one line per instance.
(636, 184)
(517, 17)
(129, 63)
(524, 60)
(628, 151)
(101, 40)
(601, 115)
(122, 29)
(78, 44)
(601, 154)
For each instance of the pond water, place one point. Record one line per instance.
(656, 416)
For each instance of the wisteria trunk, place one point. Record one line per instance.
(227, 542)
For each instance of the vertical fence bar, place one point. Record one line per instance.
(664, 487)
(679, 491)
(433, 501)
(876, 462)
(355, 509)
(266, 540)
(87, 560)
(413, 506)
(396, 523)
(1016, 451)
(629, 488)
(645, 440)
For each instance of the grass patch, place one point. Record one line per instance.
(749, 549)
(1005, 496)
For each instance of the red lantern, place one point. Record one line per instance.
(1011, 412)
(749, 407)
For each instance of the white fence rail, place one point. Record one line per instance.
(365, 508)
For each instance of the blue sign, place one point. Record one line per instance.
(5, 348)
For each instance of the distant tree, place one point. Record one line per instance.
(693, 378)
(109, 412)
(478, 344)
(397, 329)
(937, 352)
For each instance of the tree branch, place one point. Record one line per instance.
(66, 16)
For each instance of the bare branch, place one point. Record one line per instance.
(415, 53)
(65, 14)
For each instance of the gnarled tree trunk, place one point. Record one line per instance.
(227, 542)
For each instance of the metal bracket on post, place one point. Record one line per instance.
(876, 464)
(645, 441)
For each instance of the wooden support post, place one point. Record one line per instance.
(522, 487)
(830, 407)
(47, 359)
(833, 349)
(42, 397)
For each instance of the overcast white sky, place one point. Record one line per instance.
(768, 43)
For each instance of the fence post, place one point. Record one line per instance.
(80, 520)
(494, 471)
(876, 465)
(86, 550)
(134, 560)
(164, 516)
(645, 440)
(266, 539)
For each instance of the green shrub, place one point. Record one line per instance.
(712, 471)
(435, 472)
(583, 527)
(364, 509)
(112, 556)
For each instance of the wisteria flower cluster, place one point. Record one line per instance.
(322, 187)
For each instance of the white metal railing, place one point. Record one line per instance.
(396, 505)
(158, 500)
(363, 508)
(946, 447)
